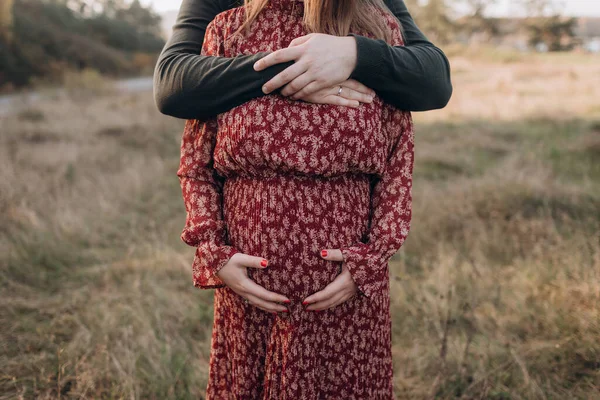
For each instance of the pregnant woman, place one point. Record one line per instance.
(296, 207)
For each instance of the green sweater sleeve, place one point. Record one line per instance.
(415, 77)
(192, 86)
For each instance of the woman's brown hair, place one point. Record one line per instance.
(333, 17)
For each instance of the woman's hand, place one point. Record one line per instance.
(235, 275)
(320, 61)
(353, 93)
(338, 291)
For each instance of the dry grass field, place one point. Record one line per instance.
(496, 293)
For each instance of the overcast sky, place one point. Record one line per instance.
(504, 8)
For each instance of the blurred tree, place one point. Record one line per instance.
(51, 36)
(141, 17)
(6, 20)
(478, 22)
(539, 8)
(434, 19)
(546, 26)
(554, 32)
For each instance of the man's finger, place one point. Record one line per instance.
(295, 85)
(352, 94)
(341, 101)
(332, 254)
(290, 73)
(359, 87)
(309, 89)
(278, 56)
(300, 39)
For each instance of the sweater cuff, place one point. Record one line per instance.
(208, 260)
(368, 59)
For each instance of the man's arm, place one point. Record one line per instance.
(192, 86)
(415, 77)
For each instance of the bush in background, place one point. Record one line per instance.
(44, 38)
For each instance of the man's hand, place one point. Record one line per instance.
(338, 291)
(353, 93)
(321, 61)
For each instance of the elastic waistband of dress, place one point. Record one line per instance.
(311, 179)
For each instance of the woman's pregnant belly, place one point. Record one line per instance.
(288, 219)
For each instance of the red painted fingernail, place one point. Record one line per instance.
(287, 301)
(264, 263)
(305, 302)
(286, 310)
(323, 253)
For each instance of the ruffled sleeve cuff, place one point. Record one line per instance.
(207, 230)
(210, 257)
(368, 269)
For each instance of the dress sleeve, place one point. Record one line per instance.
(201, 187)
(391, 211)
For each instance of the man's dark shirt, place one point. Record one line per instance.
(415, 77)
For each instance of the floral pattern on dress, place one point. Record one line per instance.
(283, 179)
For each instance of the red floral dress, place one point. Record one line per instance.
(282, 179)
